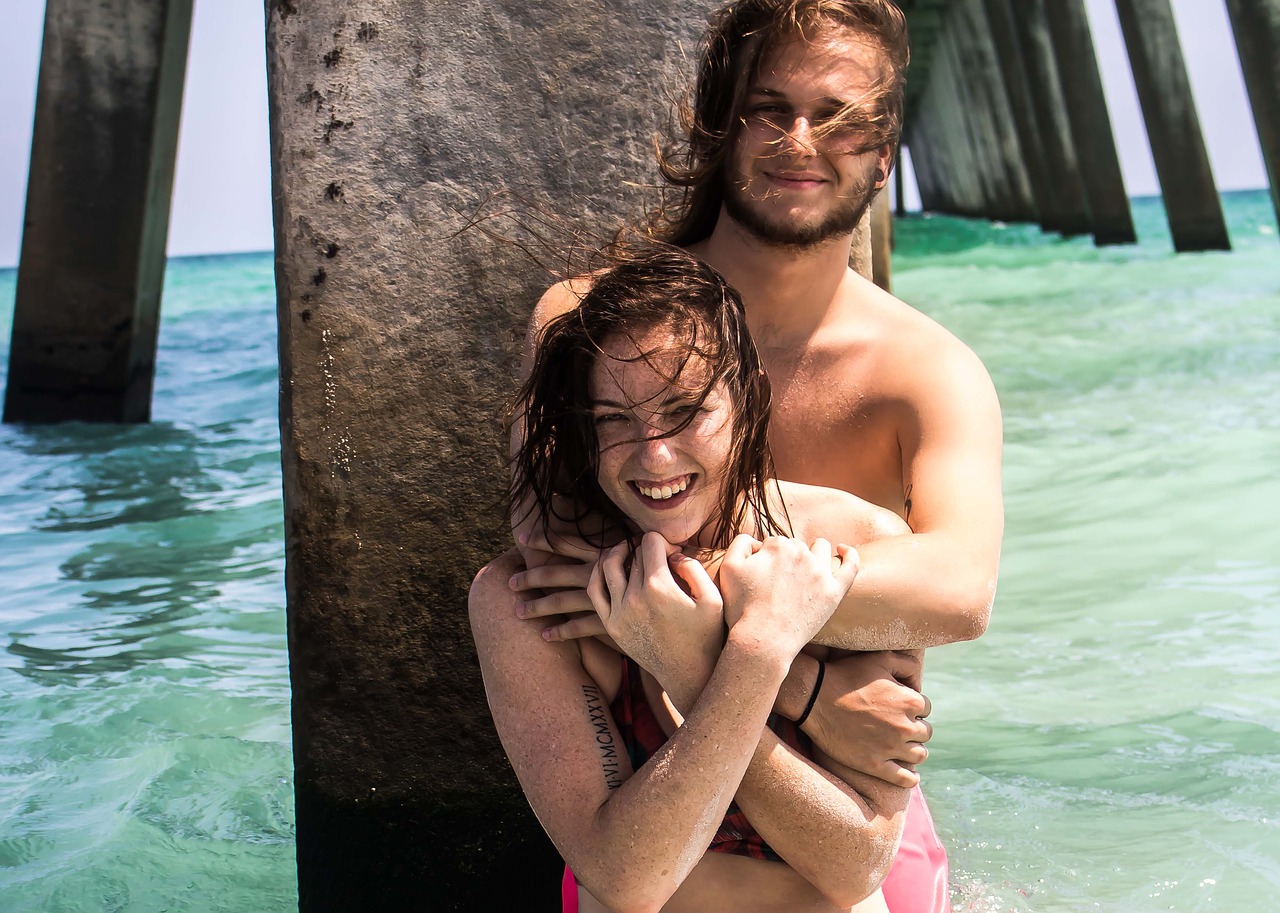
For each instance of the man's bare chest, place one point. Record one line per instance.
(836, 428)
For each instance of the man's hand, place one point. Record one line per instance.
(870, 716)
(554, 582)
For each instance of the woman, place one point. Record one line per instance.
(647, 405)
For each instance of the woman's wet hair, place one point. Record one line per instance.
(554, 472)
(739, 38)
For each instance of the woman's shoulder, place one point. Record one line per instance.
(831, 513)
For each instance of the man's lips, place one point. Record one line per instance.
(795, 179)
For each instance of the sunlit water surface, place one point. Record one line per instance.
(1112, 743)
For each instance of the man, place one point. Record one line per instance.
(795, 119)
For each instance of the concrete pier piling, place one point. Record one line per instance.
(991, 105)
(1032, 28)
(1256, 24)
(91, 266)
(1022, 108)
(1086, 107)
(1173, 126)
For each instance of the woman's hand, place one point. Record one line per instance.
(781, 591)
(673, 632)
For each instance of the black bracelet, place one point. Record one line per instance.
(813, 698)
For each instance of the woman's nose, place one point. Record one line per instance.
(655, 452)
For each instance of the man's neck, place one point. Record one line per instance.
(788, 291)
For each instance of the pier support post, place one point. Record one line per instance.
(1017, 86)
(1256, 24)
(91, 267)
(991, 107)
(1086, 106)
(1177, 145)
(400, 331)
(940, 137)
(1032, 27)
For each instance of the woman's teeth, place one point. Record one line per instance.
(662, 492)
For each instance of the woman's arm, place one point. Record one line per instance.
(630, 837)
(840, 838)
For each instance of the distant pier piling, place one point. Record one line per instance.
(91, 266)
(1032, 25)
(1256, 24)
(1086, 105)
(988, 91)
(1173, 126)
(1022, 112)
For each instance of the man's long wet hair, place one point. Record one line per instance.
(739, 38)
(662, 287)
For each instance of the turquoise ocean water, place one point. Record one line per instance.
(1112, 743)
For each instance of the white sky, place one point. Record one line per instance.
(222, 192)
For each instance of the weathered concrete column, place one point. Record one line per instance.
(942, 132)
(1046, 92)
(1177, 145)
(1086, 105)
(97, 216)
(968, 20)
(1256, 24)
(899, 187)
(1026, 123)
(957, 45)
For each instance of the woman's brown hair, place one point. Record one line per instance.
(659, 287)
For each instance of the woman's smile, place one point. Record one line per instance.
(663, 438)
(665, 494)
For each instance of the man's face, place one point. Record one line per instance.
(794, 177)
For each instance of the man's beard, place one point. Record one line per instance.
(788, 233)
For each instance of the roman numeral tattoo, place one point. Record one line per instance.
(604, 736)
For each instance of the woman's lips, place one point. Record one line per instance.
(663, 494)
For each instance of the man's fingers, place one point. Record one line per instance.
(915, 754)
(597, 593)
(614, 571)
(563, 603)
(552, 577)
(897, 775)
(588, 625)
(907, 666)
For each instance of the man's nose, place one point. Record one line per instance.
(800, 136)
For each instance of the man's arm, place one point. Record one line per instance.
(935, 585)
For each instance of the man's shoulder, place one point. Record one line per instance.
(908, 339)
(559, 299)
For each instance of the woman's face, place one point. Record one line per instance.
(670, 485)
